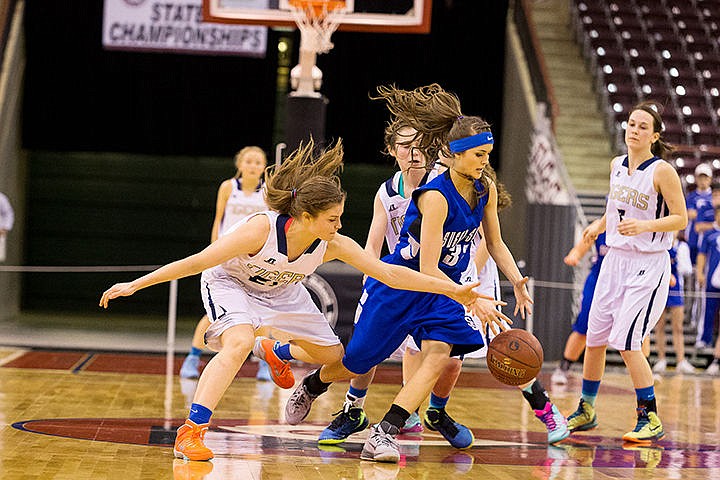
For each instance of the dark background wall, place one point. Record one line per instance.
(126, 149)
(81, 97)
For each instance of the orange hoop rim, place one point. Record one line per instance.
(319, 8)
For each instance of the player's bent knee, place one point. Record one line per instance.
(329, 355)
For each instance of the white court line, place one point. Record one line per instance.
(13, 356)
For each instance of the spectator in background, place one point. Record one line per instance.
(704, 223)
(575, 343)
(708, 276)
(696, 201)
(7, 219)
(680, 267)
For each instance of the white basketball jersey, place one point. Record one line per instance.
(395, 206)
(634, 196)
(241, 204)
(269, 272)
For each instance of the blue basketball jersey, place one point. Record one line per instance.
(459, 229)
(387, 315)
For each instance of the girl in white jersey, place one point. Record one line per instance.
(251, 279)
(237, 198)
(645, 206)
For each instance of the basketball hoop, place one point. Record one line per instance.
(317, 20)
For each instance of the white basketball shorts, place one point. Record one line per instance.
(291, 311)
(631, 292)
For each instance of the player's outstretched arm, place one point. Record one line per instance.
(347, 250)
(243, 240)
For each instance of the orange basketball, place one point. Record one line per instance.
(515, 356)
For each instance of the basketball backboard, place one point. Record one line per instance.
(385, 16)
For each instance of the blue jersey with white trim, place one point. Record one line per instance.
(459, 229)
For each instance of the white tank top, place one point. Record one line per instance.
(269, 272)
(240, 205)
(634, 196)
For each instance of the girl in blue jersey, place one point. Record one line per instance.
(439, 226)
(575, 343)
(252, 279)
(680, 267)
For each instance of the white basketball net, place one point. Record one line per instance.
(315, 31)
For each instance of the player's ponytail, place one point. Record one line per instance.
(306, 181)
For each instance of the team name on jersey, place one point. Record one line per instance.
(629, 195)
(273, 278)
(397, 223)
(451, 239)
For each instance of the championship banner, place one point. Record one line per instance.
(173, 27)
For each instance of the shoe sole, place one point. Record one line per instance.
(584, 428)
(567, 434)
(335, 441)
(331, 441)
(385, 459)
(182, 456)
(414, 429)
(644, 441)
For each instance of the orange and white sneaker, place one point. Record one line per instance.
(189, 442)
(279, 369)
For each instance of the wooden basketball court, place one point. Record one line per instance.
(93, 415)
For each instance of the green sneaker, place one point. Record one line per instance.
(648, 428)
(584, 418)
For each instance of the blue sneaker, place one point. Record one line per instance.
(349, 420)
(557, 425)
(190, 367)
(263, 373)
(456, 433)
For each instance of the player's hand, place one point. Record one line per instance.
(522, 298)
(487, 312)
(673, 280)
(590, 233)
(632, 226)
(465, 294)
(118, 290)
(571, 259)
(701, 279)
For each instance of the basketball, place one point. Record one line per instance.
(515, 356)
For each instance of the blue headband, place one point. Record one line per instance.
(482, 138)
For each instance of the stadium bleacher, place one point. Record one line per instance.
(665, 50)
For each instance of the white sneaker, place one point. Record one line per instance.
(299, 404)
(381, 446)
(684, 367)
(713, 369)
(660, 366)
(559, 377)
